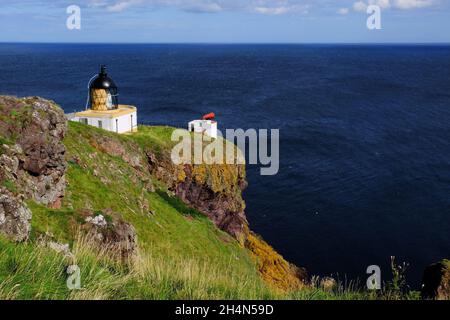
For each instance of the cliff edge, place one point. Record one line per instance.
(58, 179)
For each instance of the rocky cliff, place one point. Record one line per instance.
(216, 191)
(57, 179)
(33, 152)
(34, 161)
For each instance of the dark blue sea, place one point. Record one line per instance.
(364, 135)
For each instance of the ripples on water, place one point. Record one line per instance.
(365, 150)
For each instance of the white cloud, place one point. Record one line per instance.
(360, 6)
(121, 5)
(383, 4)
(272, 11)
(413, 4)
(203, 7)
(266, 7)
(279, 10)
(396, 4)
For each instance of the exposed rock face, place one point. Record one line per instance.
(213, 190)
(15, 217)
(436, 281)
(32, 164)
(34, 159)
(115, 148)
(273, 267)
(130, 153)
(116, 234)
(216, 191)
(225, 210)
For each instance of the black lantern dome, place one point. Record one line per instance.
(103, 93)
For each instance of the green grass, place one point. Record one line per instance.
(61, 223)
(4, 140)
(181, 255)
(28, 271)
(8, 184)
(157, 136)
(167, 229)
(17, 118)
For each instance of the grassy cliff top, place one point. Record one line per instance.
(181, 253)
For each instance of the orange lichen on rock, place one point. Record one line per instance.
(274, 269)
(216, 191)
(436, 281)
(181, 175)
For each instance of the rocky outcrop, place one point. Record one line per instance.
(15, 217)
(33, 158)
(436, 281)
(216, 191)
(129, 152)
(32, 164)
(113, 147)
(225, 210)
(273, 267)
(48, 240)
(114, 233)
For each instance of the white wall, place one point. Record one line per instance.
(107, 123)
(123, 124)
(204, 126)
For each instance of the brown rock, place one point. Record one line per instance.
(194, 187)
(436, 281)
(57, 204)
(216, 192)
(274, 269)
(220, 208)
(116, 234)
(36, 161)
(113, 147)
(15, 217)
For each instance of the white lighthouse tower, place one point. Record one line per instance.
(103, 109)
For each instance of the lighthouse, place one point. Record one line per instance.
(207, 125)
(103, 109)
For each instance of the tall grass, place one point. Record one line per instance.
(29, 271)
(32, 271)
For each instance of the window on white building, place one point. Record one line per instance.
(100, 124)
(84, 120)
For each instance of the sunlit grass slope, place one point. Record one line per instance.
(181, 254)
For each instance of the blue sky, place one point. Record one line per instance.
(225, 21)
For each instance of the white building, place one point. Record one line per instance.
(121, 120)
(103, 109)
(208, 127)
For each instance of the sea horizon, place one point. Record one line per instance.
(394, 43)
